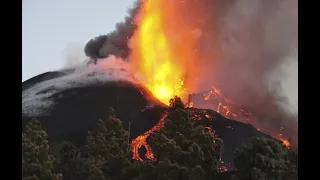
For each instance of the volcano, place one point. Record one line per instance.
(69, 103)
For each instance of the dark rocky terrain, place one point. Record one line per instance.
(76, 109)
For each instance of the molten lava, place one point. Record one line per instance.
(141, 140)
(227, 108)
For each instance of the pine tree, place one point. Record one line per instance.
(266, 159)
(108, 149)
(37, 163)
(70, 163)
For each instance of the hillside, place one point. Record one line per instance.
(74, 110)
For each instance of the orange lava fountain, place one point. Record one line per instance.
(161, 56)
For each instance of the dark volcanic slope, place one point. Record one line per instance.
(75, 111)
(43, 77)
(233, 133)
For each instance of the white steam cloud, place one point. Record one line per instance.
(284, 81)
(73, 56)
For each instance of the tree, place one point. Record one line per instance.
(108, 149)
(37, 163)
(292, 162)
(176, 103)
(184, 151)
(266, 159)
(70, 163)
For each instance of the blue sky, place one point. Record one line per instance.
(49, 27)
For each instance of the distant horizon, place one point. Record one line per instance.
(54, 33)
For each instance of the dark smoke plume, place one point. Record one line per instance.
(247, 48)
(116, 42)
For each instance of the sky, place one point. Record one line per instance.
(51, 30)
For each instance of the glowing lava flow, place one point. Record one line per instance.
(141, 140)
(286, 142)
(227, 108)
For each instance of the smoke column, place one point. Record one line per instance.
(116, 42)
(247, 48)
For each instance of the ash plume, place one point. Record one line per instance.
(116, 42)
(246, 48)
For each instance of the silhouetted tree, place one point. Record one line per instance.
(37, 163)
(108, 149)
(292, 162)
(175, 103)
(267, 159)
(70, 163)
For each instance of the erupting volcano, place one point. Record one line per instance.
(164, 56)
(185, 48)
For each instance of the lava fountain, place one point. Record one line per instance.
(163, 58)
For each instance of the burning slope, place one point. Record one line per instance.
(200, 117)
(141, 141)
(215, 100)
(76, 108)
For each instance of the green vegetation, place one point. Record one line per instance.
(267, 159)
(183, 151)
(36, 161)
